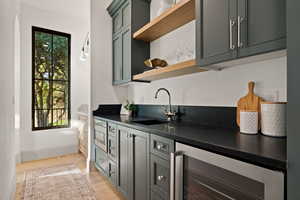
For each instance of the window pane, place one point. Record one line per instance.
(42, 96)
(60, 117)
(43, 118)
(60, 103)
(60, 57)
(60, 94)
(42, 103)
(43, 54)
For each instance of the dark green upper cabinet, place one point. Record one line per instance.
(231, 29)
(262, 26)
(117, 59)
(128, 54)
(216, 27)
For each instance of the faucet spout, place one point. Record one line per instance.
(169, 114)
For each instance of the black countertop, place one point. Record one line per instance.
(260, 150)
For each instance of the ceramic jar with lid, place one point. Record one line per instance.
(273, 119)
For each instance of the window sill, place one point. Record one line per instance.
(70, 130)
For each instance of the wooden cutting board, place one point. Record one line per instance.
(250, 102)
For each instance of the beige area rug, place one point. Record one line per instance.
(65, 182)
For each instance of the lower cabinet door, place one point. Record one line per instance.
(101, 160)
(112, 172)
(141, 165)
(125, 183)
(160, 176)
(112, 148)
(158, 196)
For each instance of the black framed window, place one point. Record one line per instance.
(51, 71)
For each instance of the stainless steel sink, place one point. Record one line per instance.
(149, 121)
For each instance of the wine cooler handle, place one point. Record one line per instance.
(176, 176)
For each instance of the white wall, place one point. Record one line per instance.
(222, 88)
(17, 83)
(8, 12)
(69, 16)
(101, 61)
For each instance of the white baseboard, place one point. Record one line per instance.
(12, 194)
(48, 153)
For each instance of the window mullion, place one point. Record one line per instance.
(51, 80)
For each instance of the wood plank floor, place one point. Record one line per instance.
(102, 188)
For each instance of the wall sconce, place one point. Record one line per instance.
(85, 50)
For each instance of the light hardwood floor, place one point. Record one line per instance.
(102, 188)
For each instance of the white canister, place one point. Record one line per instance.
(273, 119)
(249, 122)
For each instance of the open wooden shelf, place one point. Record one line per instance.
(173, 18)
(186, 67)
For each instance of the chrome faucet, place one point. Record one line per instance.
(170, 114)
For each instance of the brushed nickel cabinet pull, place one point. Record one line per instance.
(240, 21)
(231, 25)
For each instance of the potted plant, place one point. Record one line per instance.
(130, 108)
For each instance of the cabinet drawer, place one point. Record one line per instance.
(100, 135)
(101, 140)
(158, 196)
(112, 130)
(98, 122)
(112, 172)
(160, 175)
(100, 128)
(101, 160)
(112, 148)
(161, 146)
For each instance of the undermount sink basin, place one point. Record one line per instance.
(149, 121)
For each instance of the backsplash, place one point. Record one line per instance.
(219, 117)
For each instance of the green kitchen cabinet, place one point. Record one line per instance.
(128, 54)
(214, 24)
(160, 149)
(117, 59)
(231, 29)
(160, 176)
(133, 164)
(141, 165)
(126, 44)
(125, 181)
(112, 153)
(136, 163)
(262, 26)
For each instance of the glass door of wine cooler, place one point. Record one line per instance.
(201, 175)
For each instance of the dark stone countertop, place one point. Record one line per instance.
(260, 150)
